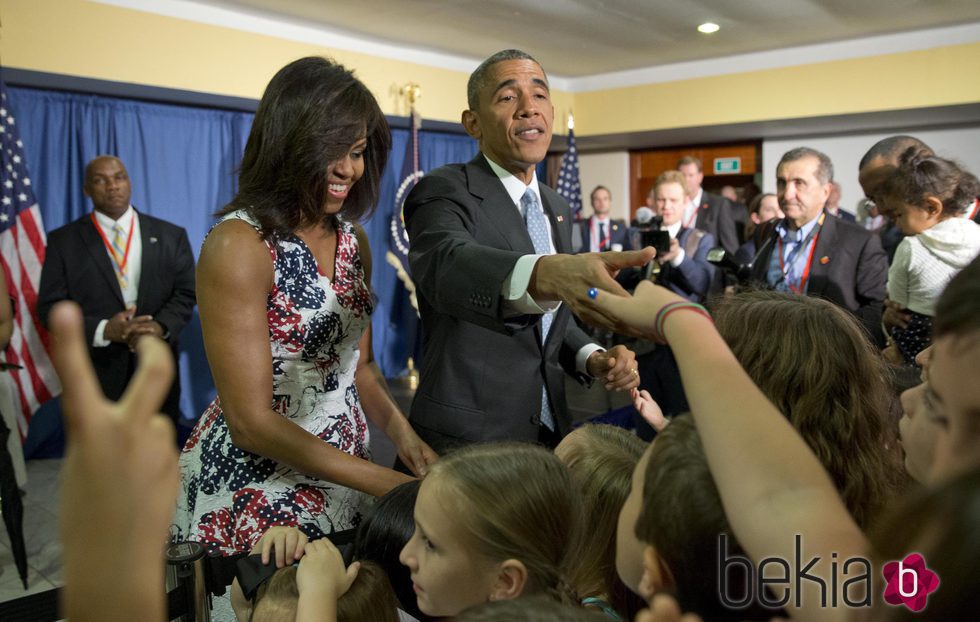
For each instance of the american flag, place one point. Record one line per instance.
(22, 242)
(569, 186)
(410, 176)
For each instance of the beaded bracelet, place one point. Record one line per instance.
(667, 309)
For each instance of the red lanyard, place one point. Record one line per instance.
(120, 265)
(973, 210)
(693, 218)
(809, 260)
(604, 242)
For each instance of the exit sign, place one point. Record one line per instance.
(728, 166)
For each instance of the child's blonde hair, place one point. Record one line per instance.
(370, 597)
(275, 600)
(516, 501)
(601, 459)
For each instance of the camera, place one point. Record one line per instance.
(647, 227)
(741, 273)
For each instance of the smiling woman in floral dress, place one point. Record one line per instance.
(283, 290)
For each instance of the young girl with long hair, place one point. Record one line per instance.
(493, 522)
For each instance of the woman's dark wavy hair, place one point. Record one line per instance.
(310, 114)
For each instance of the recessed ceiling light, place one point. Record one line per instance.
(708, 28)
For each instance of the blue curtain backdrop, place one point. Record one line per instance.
(182, 163)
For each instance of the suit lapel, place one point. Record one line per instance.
(495, 204)
(823, 256)
(149, 236)
(705, 215)
(559, 235)
(587, 235)
(93, 243)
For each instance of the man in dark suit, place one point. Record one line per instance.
(132, 275)
(810, 252)
(684, 268)
(708, 212)
(599, 232)
(495, 300)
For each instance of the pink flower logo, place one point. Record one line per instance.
(909, 582)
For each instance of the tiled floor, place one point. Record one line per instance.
(40, 535)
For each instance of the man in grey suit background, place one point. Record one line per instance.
(494, 296)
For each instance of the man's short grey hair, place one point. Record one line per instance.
(479, 77)
(825, 168)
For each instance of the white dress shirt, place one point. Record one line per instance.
(134, 262)
(516, 299)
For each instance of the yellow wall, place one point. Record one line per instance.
(92, 40)
(936, 77)
(88, 39)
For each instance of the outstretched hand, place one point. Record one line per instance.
(634, 315)
(119, 481)
(570, 277)
(649, 409)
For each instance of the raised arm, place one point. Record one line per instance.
(234, 279)
(123, 455)
(772, 486)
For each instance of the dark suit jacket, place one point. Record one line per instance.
(716, 216)
(618, 234)
(77, 267)
(482, 373)
(740, 216)
(849, 269)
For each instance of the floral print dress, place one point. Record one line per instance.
(229, 496)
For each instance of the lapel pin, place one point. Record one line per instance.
(561, 219)
(615, 227)
(153, 240)
(825, 260)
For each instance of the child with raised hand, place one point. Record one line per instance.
(601, 459)
(284, 546)
(493, 522)
(319, 588)
(673, 531)
(322, 579)
(119, 481)
(768, 496)
(649, 409)
(928, 196)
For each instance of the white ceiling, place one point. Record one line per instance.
(577, 38)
